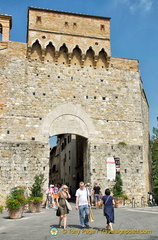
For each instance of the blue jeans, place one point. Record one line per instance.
(84, 215)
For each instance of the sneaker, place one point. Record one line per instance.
(87, 226)
(47, 207)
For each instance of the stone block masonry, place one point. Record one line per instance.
(64, 80)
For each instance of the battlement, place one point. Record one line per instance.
(71, 29)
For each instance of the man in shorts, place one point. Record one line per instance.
(97, 194)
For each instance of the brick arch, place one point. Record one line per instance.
(68, 118)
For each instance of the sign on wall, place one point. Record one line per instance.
(111, 169)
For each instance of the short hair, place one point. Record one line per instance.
(81, 182)
(107, 191)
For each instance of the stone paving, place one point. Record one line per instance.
(130, 224)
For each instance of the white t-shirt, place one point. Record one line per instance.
(82, 197)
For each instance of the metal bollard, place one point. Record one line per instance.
(142, 201)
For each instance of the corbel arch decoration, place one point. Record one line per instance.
(102, 59)
(63, 54)
(36, 51)
(50, 52)
(89, 58)
(76, 56)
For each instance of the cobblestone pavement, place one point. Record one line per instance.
(130, 224)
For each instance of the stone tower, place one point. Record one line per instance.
(5, 26)
(63, 80)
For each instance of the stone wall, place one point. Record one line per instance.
(20, 162)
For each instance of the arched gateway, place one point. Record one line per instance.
(64, 80)
(68, 118)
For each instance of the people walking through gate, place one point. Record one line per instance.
(63, 210)
(109, 203)
(97, 194)
(50, 197)
(82, 202)
(55, 192)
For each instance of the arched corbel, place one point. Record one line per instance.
(108, 61)
(43, 54)
(83, 57)
(29, 52)
(95, 61)
(69, 58)
(56, 56)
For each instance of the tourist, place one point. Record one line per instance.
(62, 207)
(96, 194)
(50, 197)
(109, 203)
(82, 202)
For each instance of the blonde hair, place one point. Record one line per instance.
(64, 186)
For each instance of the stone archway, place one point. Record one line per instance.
(71, 119)
(68, 118)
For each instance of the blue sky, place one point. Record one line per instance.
(134, 32)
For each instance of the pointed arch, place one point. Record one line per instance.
(50, 53)
(89, 59)
(36, 51)
(63, 54)
(102, 59)
(76, 56)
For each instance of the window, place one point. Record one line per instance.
(102, 27)
(38, 19)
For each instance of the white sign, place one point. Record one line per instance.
(111, 169)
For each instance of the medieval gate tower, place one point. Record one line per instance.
(64, 80)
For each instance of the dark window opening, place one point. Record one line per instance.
(38, 19)
(102, 27)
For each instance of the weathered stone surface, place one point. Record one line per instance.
(48, 91)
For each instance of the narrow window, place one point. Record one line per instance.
(102, 27)
(38, 19)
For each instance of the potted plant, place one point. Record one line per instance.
(1, 209)
(119, 196)
(15, 202)
(36, 195)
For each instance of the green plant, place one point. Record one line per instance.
(37, 187)
(122, 143)
(1, 208)
(34, 199)
(16, 198)
(117, 189)
(124, 197)
(12, 203)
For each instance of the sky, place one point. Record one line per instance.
(134, 32)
